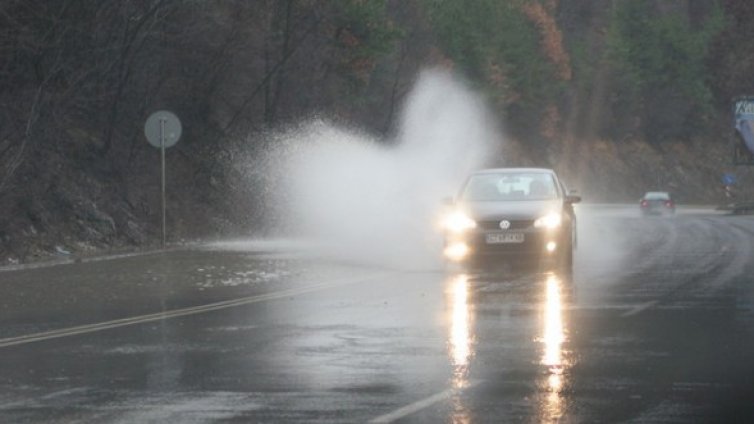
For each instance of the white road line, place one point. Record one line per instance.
(640, 308)
(84, 260)
(123, 322)
(421, 404)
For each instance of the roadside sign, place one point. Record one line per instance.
(743, 122)
(729, 179)
(163, 129)
(161, 125)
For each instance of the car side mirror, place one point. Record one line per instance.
(573, 197)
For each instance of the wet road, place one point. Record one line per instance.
(656, 325)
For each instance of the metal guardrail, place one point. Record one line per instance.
(739, 208)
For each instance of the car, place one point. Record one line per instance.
(657, 203)
(519, 214)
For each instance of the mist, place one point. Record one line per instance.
(371, 200)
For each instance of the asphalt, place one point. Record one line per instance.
(655, 325)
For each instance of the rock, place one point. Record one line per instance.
(61, 251)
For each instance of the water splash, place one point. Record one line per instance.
(372, 200)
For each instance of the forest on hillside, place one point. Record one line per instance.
(78, 78)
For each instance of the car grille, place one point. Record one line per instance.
(520, 224)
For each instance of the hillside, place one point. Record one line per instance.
(618, 96)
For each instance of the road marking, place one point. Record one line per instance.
(640, 308)
(84, 260)
(123, 322)
(422, 404)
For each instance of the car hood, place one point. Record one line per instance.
(530, 209)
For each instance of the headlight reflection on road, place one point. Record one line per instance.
(461, 338)
(553, 337)
(461, 341)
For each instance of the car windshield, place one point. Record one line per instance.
(510, 187)
(657, 195)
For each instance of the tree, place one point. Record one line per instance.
(660, 61)
(730, 62)
(509, 49)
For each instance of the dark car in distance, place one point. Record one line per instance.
(523, 214)
(657, 203)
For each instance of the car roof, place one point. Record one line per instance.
(513, 170)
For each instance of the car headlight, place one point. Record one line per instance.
(458, 222)
(456, 251)
(549, 221)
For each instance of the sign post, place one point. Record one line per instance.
(729, 180)
(163, 129)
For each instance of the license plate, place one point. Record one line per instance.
(498, 238)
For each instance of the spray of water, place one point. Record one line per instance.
(375, 201)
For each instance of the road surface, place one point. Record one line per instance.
(656, 325)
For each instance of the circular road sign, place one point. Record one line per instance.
(163, 122)
(729, 179)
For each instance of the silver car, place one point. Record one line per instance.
(512, 213)
(657, 203)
